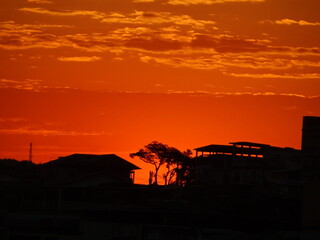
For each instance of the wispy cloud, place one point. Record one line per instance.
(175, 40)
(203, 63)
(46, 132)
(156, 18)
(136, 17)
(21, 42)
(142, 1)
(210, 2)
(305, 63)
(27, 84)
(40, 1)
(92, 14)
(213, 60)
(80, 59)
(266, 94)
(229, 43)
(15, 36)
(35, 85)
(287, 21)
(277, 76)
(12, 120)
(171, 46)
(244, 93)
(12, 26)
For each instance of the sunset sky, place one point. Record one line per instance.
(110, 76)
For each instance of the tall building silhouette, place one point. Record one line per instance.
(311, 135)
(310, 147)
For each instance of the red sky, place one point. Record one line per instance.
(110, 76)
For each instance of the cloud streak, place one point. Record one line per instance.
(167, 45)
(222, 94)
(40, 1)
(215, 60)
(46, 132)
(15, 120)
(12, 26)
(277, 76)
(27, 84)
(287, 21)
(135, 18)
(80, 59)
(142, 1)
(14, 36)
(210, 2)
(162, 38)
(66, 13)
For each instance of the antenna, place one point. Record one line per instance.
(30, 152)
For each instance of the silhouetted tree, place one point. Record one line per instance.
(185, 169)
(177, 163)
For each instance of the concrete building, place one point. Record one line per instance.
(246, 163)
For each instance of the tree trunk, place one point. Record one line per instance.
(156, 175)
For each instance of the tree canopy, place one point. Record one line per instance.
(177, 164)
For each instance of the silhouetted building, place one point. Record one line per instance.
(311, 135)
(88, 170)
(259, 181)
(242, 190)
(13, 172)
(311, 170)
(246, 163)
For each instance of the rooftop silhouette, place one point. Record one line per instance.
(242, 190)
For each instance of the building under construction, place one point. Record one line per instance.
(246, 163)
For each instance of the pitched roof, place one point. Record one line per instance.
(110, 161)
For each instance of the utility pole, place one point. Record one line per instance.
(30, 152)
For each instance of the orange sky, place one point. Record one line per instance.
(97, 76)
